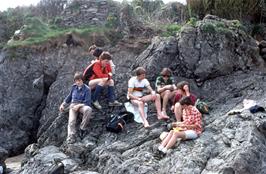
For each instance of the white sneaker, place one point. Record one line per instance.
(97, 105)
(164, 150)
(160, 148)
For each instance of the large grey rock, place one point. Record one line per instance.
(229, 144)
(212, 47)
(26, 78)
(43, 160)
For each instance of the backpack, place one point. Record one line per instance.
(202, 106)
(116, 123)
(88, 72)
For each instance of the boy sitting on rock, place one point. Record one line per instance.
(80, 101)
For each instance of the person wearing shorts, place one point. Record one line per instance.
(189, 128)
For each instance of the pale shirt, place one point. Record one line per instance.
(138, 86)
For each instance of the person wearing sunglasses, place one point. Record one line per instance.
(165, 87)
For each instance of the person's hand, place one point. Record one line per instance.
(172, 108)
(61, 108)
(177, 124)
(76, 107)
(140, 99)
(168, 87)
(153, 93)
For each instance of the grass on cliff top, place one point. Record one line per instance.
(36, 31)
(170, 30)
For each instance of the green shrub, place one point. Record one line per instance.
(192, 21)
(112, 21)
(208, 28)
(171, 30)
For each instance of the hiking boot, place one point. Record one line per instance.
(97, 105)
(115, 103)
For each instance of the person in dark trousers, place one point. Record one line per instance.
(102, 77)
(80, 102)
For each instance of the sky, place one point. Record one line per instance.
(14, 3)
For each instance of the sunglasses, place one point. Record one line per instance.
(166, 76)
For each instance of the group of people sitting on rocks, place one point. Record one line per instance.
(188, 118)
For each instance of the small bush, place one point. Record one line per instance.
(208, 28)
(192, 21)
(171, 30)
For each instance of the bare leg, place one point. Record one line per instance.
(140, 105)
(165, 141)
(173, 139)
(165, 96)
(178, 112)
(157, 105)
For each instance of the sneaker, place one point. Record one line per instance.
(115, 103)
(97, 105)
(160, 148)
(164, 150)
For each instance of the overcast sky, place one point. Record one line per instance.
(14, 3)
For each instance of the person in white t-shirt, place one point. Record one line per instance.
(136, 85)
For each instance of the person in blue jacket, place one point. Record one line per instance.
(79, 99)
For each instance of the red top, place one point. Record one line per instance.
(178, 97)
(100, 72)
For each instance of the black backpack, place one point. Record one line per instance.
(88, 72)
(116, 123)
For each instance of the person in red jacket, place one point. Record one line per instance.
(102, 77)
(182, 91)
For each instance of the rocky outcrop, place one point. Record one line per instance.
(86, 13)
(172, 11)
(210, 48)
(215, 55)
(262, 46)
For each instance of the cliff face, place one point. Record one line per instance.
(222, 65)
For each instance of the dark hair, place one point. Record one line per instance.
(185, 101)
(97, 52)
(105, 56)
(78, 76)
(166, 71)
(180, 85)
(93, 47)
(140, 71)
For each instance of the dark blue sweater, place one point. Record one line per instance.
(82, 95)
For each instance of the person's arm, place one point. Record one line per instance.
(131, 96)
(158, 85)
(151, 90)
(160, 89)
(98, 71)
(67, 100)
(112, 66)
